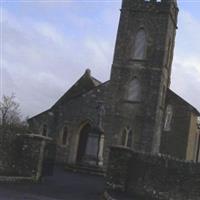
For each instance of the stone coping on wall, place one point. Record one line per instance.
(115, 196)
(164, 156)
(32, 135)
(16, 179)
(155, 176)
(107, 196)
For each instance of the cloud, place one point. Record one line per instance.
(43, 60)
(47, 48)
(34, 58)
(186, 67)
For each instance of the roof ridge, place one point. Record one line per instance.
(182, 99)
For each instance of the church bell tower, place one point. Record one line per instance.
(141, 72)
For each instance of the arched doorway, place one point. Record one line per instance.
(83, 138)
(90, 146)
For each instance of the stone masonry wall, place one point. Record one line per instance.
(24, 157)
(72, 114)
(152, 176)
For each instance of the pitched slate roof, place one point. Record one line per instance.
(192, 108)
(87, 83)
(84, 84)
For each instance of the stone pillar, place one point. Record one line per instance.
(118, 168)
(100, 152)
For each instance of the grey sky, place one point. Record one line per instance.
(47, 46)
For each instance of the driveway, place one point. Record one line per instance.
(62, 186)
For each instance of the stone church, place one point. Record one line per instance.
(135, 108)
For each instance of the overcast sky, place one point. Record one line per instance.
(47, 45)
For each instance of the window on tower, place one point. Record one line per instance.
(134, 91)
(124, 137)
(127, 137)
(139, 48)
(130, 138)
(168, 118)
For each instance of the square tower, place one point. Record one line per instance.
(140, 73)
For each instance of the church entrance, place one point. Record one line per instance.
(83, 143)
(90, 146)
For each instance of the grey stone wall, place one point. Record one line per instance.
(174, 141)
(72, 113)
(24, 157)
(152, 176)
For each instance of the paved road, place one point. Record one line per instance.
(62, 186)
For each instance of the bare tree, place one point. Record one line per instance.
(9, 111)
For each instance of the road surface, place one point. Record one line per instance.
(62, 186)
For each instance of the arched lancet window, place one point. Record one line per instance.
(124, 137)
(44, 130)
(130, 138)
(127, 137)
(134, 91)
(64, 135)
(139, 47)
(169, 54)
(168, 118)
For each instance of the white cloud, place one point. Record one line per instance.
(43, 61)
(186, 67)
(48, 32)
